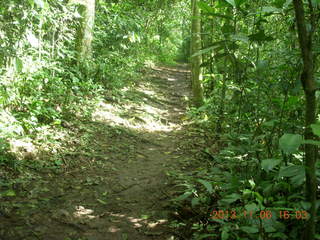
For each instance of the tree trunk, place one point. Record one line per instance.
(85, 31)
(196, 60)
(309, 87)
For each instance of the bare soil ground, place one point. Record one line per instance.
(120, 188)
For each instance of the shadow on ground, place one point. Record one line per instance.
(117, 187)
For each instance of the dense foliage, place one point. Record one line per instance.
(251, 183)
(43, 84)
(255, 103)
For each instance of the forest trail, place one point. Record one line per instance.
(120, 189)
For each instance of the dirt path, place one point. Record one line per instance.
(122, 190)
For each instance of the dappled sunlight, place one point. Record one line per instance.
(150, 110)
(121, 155)
(147, 119)
(148, 115)
(82, 212)
(172, 79)
(142, 222)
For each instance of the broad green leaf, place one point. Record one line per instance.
(316, 129)
(31, 2)
(251, 207)
(207, 185)
(288, 2)
(315, 3)
(270, 9)
(205, 7)
(269, 123)
(183, 196)
(270, 225)
(232, 2)
(305, 205)
(290, 171)
(230, 198)
(290, 143)
(269, 164)
(224, 235)
(249, 229)
(299, 178)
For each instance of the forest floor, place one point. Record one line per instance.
(119, 187)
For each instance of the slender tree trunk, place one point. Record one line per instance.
(309, 87)
(85, 31)
(196, 60)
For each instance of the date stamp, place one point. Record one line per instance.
(262, 214)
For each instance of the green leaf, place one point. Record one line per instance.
(205, 7)
(8, 193)
(101, 201)
(315, 3)
(19, 65)
(230, 198)
(249, 229)
(183, 196)
(208, 49)
(251, 207)
(269, 164)
(31, 2)
(239, 2)
(296, 173)
(313, 142)
(258, 196)
(195, 202)
(270, 9)
(240, 37)
(288, 2)
(269, 123)
(316, 129)
(203, 236)
(290, 171)
(262, 65)
(207, 185)
(290, 143)
(232, 3)
(224, 235)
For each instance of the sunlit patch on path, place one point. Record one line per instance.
(121, 191)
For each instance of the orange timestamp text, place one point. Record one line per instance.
(262, 214)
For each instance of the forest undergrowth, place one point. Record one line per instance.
(103, 133)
